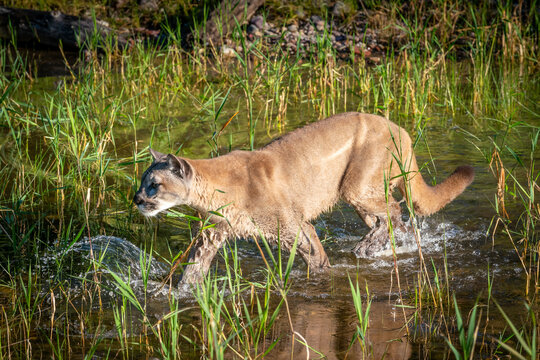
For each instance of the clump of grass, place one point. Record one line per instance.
(362, 314)
(517, 177)
(467, 332)
(526, 337)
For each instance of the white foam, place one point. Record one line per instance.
(434, 238)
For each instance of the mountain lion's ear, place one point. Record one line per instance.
(156, 155)
(180, 167)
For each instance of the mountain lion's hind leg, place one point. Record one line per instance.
(374, 212)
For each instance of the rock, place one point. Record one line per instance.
(342, 48)
(360, 50)
(253, 30)
(149, 5)
(302, 33)
(257, 21)
(360, 45)
(227, 51)
(341, 9)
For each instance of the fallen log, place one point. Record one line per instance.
(50, 28)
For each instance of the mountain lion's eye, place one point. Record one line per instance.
(152, 189)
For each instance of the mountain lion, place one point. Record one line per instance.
(277, 190)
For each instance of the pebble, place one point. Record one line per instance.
(315, 19)
(301, 35)
(227, 51)
(253, 30)
(257, 21)
(149, 5)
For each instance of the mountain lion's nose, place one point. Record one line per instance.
(137, 199)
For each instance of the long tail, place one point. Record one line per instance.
(430, 199)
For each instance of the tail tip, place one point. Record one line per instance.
(466, 172)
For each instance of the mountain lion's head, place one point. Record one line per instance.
(164, 184)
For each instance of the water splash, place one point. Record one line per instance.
(110, 254)
(435, 236)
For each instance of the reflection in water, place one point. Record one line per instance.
(330, 329)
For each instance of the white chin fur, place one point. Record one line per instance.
(149, 213)
(154, 212)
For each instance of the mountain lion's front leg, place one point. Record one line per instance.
(201, 255)
(309, 246)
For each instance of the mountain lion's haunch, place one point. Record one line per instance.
(280, 188)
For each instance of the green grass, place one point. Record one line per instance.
(362, 314)
(73, 150)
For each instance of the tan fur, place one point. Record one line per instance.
(295, 178)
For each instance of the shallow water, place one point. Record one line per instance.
(321, 306)
(320, 303)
